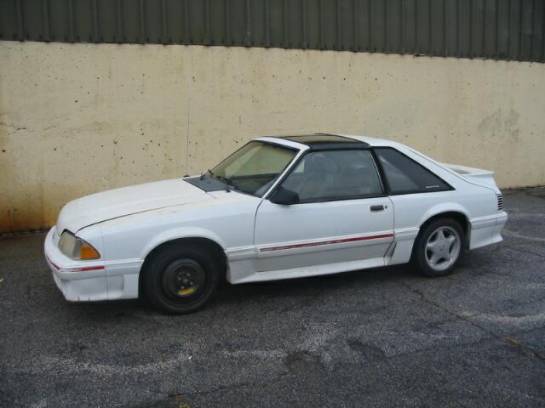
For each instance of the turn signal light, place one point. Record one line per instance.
(86, 251)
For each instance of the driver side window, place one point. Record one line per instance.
(335, 175)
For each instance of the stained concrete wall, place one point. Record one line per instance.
(76, 119)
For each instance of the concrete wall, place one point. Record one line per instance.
(76, 119)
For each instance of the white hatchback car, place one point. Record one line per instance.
(277, 208)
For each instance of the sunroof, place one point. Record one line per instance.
(318, 138)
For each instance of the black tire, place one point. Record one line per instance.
(421, 258)
(162, 273)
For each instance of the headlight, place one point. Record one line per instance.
(76, 248)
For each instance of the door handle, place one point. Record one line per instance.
(379, 207)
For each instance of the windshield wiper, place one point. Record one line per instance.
(207, 172)
(226, 180)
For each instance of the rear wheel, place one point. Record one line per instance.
(438, 247)
(181, 278)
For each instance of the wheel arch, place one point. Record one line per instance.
(188, 238)
(456, 213)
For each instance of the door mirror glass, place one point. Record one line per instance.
(284, 196)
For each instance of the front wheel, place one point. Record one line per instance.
(438, 247)
(181, 279)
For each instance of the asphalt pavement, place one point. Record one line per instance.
(383, 337)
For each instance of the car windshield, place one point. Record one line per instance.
(254, 167)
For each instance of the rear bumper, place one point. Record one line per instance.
(487, 230)
(81, 281)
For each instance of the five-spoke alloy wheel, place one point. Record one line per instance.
(438, 247)
(443, 248)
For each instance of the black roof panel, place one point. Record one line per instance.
(319, 141)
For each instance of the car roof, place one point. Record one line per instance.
(326, 141)
(372, 141)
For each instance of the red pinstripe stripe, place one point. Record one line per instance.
(328, 242)
(81, 269)
(87, 268)
(52, 263)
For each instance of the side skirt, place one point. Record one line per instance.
(308, 271)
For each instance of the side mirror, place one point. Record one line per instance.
(284, 196)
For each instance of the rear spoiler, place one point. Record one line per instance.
(479, 176)
(471, 171)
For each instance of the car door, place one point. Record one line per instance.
(342, 214)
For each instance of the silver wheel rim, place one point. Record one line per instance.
(442, 248)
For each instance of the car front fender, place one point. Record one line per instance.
(180, 233)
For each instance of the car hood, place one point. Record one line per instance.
(111, 204)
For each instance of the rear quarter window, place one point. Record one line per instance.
(405, 176)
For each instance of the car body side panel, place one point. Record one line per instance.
(302, 235)
(227, 221)
(476, 202)
(411, 211)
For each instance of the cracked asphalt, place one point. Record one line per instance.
(383, 337)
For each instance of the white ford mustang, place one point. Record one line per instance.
(277, 208)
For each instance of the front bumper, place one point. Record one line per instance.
(81, 281)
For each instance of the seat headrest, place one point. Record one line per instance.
(320, 163)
